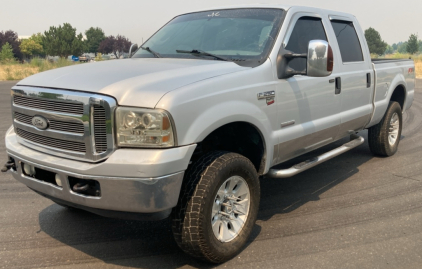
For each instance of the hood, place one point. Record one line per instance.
(137, 82)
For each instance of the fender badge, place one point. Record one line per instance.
(266, 95)
(270, 101)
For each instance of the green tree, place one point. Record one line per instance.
(116, 45)
(12, 38)
(389, 50)
(32, 46)
(94, 36)
(6, 53)
(394, 46)
(402, 47)
(375, 43)
(412, 44)
(62, 41)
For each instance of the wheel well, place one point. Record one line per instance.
(399, 95)
(238, 137)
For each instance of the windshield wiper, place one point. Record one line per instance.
(156, 54)
(204, 53)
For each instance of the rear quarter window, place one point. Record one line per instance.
(348, 41)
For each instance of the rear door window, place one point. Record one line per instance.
(305, 30)
(348, 41)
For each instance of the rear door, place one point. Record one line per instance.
(355, 74)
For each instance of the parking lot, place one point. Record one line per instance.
(354, 211)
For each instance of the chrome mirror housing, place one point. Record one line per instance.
(320, 60)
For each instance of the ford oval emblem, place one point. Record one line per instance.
(40, 122)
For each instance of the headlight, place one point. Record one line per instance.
(143, 128)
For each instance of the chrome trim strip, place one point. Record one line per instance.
(288, 123)
(323, 142)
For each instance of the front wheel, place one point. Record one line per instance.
(218, 206)
(384, 138)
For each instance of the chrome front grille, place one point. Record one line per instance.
(49, 105)
(70, 127)
(52, 142)
(100, 129)
(79, 125)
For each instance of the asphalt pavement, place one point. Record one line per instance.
(354, 211)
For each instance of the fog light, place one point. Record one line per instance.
(29, 169)
(58, 180)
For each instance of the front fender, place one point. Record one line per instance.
(200, 108)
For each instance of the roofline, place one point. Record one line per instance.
(270, 6)
(284, 7)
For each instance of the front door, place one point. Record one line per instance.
(308, 107)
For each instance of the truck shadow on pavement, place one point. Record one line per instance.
(282, 196)
(151, 244)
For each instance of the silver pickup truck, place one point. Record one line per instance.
(207, 106)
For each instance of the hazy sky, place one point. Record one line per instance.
(137, 19)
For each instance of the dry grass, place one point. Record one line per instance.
(418, 66)
(17, 71)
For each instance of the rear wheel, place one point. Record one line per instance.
(384, 138)
(218, 207)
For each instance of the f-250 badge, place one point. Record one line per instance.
(269, 96)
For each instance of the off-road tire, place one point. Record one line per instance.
(378, 134)
(191, 218)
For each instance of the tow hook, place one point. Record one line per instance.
(7, 166)
(79, 187)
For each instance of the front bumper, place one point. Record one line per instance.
(131, 180)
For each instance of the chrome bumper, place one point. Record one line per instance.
(120, 192)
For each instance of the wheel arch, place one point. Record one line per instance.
(399, 95)
(240, 137)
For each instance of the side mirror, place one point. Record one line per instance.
(320, 61)
(133, 49)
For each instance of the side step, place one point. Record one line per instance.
(303, 166)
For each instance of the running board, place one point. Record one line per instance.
(303, 166)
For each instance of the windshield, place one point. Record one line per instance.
(244, 36)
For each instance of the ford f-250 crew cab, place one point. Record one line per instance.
(209, 104)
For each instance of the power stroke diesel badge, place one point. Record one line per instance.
(40, 122)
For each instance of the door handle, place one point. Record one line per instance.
(368, 80)
(338, 85)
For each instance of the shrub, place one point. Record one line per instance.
(6, 53)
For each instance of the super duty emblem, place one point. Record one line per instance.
(265, 95)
